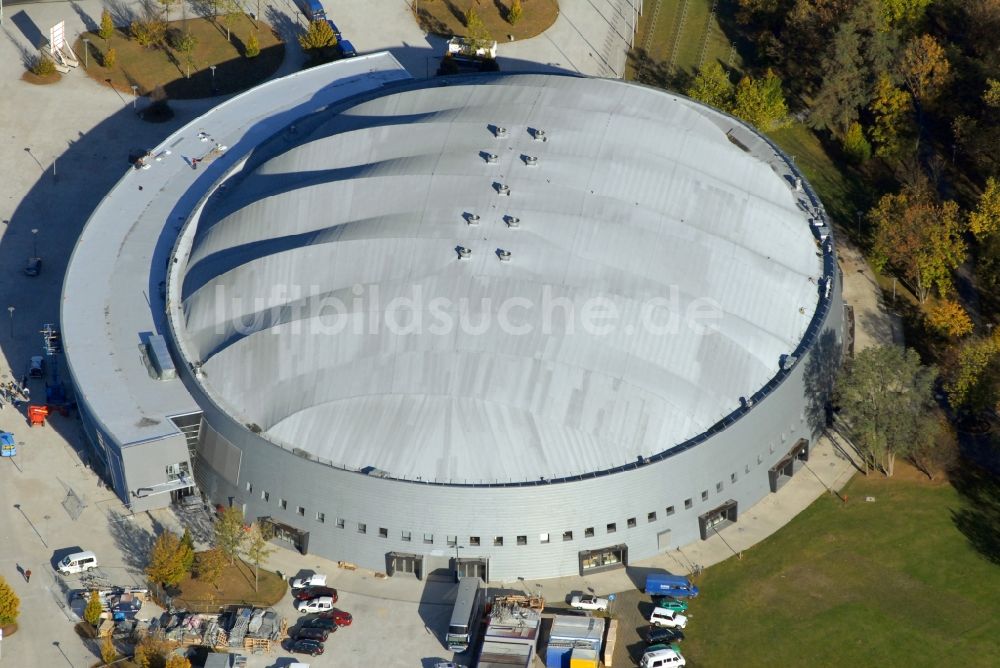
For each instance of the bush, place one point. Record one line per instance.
(253, 46)
(318, 36)
(10, 604)
(43, 66)
(107, 29)
(856, 145)
(148, 32)
(515, 12)
(110, 58)
(92, 613)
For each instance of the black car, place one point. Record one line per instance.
(310, 647)
(309, 593)
(312, 633)
(655, 635)
(325, 624)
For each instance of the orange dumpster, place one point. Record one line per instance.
(37, 414)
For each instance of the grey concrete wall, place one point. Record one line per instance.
(146, 466)
(747, 449)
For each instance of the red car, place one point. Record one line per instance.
(339, 617)
(307, 593)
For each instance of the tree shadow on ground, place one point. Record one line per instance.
(134, 542)
(979, 517)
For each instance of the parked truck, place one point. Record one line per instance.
(665, 584)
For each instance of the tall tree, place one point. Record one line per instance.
(478, 34)
(230, 533)
(886, 397)
(919, 237)
(985, 219)
(925, 68)
(10, 604)
(893, 112)
(257, 549)
(209, 566)
(92, 613)
(166, 563)
(947, 317)
(904, 12)
(107, 29)
(760, 101)
(973, 381)
(843, 90)
(187, 550)
(318, 36)
(712, 86)
(108, 650)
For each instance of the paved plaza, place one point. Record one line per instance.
(62, 147)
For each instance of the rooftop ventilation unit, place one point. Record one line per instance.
(798, 184)
(530, 160)
(471, 218)
(504, 255)
(463, 252)
(512, 221)
(787, 362)
(538, 135)
(503, 190)
(499, 132)
(159, 357)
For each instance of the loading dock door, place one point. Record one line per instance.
(471, 568)
(717, 519)
(782, 472)
(408, 564)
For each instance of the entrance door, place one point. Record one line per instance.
(472, 568)
(409, 564)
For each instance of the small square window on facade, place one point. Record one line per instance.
(250, 487)
(265, 496)
(383, 532)
(543, 538)
(301, 511)
(588, 532)
(631, 523)
(687, 504)
(651, 517)
(567, 535)
(612, 527)
(340, 522)
(428, 539)
(718, 486)
(362, 527)
(704, 495)
(321, 518)
(522, 540)
(282, 504)
(497, 541)
(747, 469)
(760, 459)
(452, 541)
(406, 536)
(474, 541)
(732, 477)
(670, 511)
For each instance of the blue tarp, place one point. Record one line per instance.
(8, 448)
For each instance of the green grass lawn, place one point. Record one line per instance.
(889, 583)
(661, 30)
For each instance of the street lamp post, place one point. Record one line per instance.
(212, 67)
(86, 52)
(10, 309)
(34, 242)
(134, 95)
(859, 212)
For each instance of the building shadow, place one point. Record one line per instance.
(436, 603)
(978, 518)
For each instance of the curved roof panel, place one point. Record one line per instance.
(657, 272)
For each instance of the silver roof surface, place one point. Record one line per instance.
(321, 280)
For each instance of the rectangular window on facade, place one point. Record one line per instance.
(362, 527)
(670, 511)
(747, 469)
(631, 523)
(732, 477)
(428, 539)
(452, 541)
(522, 540)
(321, 518)
(588, 532)
(567, 535)
(651, 517)
(497, 541)
(718, 486)
(301, 511)
(406, 536)
(474, 541)
(265, 496)
(612, 527)
(282, 504)
(543, 538)
(704, 495)
(250, 487)
(687, 503)
(383, 532)
(340, 523)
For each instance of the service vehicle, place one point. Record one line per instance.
(311, 647)
(661, 656)
(665, 584)
(36, 367)
(465, 616)
(310, 633)
(588, 602)
(668, 618)
(78, 562)
(314, 580)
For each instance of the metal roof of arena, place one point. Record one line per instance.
(499, 279)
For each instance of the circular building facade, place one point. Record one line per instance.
(526, 321)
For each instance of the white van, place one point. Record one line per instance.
(78, 563)
(662, 658)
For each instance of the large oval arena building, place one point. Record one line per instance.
(514, 325)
